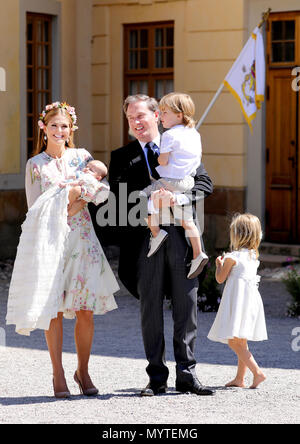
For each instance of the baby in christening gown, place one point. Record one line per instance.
(88, 179)
(66, 268)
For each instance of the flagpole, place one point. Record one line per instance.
(210, 106)
(265, 17)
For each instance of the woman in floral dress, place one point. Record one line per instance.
(59, 260)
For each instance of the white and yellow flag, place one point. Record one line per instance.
(246, 79)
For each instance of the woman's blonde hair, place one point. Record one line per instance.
(179, 103)
(41, 142)
(245, 232)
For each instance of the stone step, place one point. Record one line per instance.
(287, 250)
(276, 260)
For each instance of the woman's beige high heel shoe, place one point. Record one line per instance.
(87, 392)
(61, 395)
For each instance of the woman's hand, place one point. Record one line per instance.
(74, 194)
(77, 206)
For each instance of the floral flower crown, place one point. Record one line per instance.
(64, 105)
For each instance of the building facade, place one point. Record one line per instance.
(93, 53)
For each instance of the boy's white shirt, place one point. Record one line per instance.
(180, 199)
(184, 147)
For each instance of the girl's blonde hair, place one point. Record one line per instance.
(179, 103)
(41, 142)
(245, 232)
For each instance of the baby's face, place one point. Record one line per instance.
(95, 170)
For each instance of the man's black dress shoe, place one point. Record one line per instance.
(194, 386)
(154, 389)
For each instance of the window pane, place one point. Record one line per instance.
(170, 36)
(39, 79)
(29, 54)
(159, 37)
(29, 127)
(39, 103)
(277, 52)
(289, 52)
(159, 89)
(159, 58)
(46, 55)
(29, 147)
(289, 30)
(283, 30)
(143, 89)
(144, 38)
(46, 79)
(163, 87)
(39, 55)
(144, 59)
(169, 86)
(48, 98)
(29, 103)
(46, 31)
(283, 52)
(29, 78)
(132, 60)
(39, 31)
(44, 100)
(277, 30)
(138, 87)
(169, 58)
(133, 39)
(29, 31)
(133, 87)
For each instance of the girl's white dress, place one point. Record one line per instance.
(241, 311)
(60, 265)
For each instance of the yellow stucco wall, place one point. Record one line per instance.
(215, 35)
(9, 99)
(68, 51)
(209, 34)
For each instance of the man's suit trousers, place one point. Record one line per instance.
(168, 268)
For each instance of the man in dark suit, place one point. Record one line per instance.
(164, 273)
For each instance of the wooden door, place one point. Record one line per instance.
(282, 141)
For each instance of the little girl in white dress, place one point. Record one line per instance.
(241, 313)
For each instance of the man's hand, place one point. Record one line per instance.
(163, 199)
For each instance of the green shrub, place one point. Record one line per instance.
(292, 284)
(209, 292)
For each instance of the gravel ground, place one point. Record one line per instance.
(118, 364)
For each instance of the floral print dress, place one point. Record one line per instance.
(88, 281)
